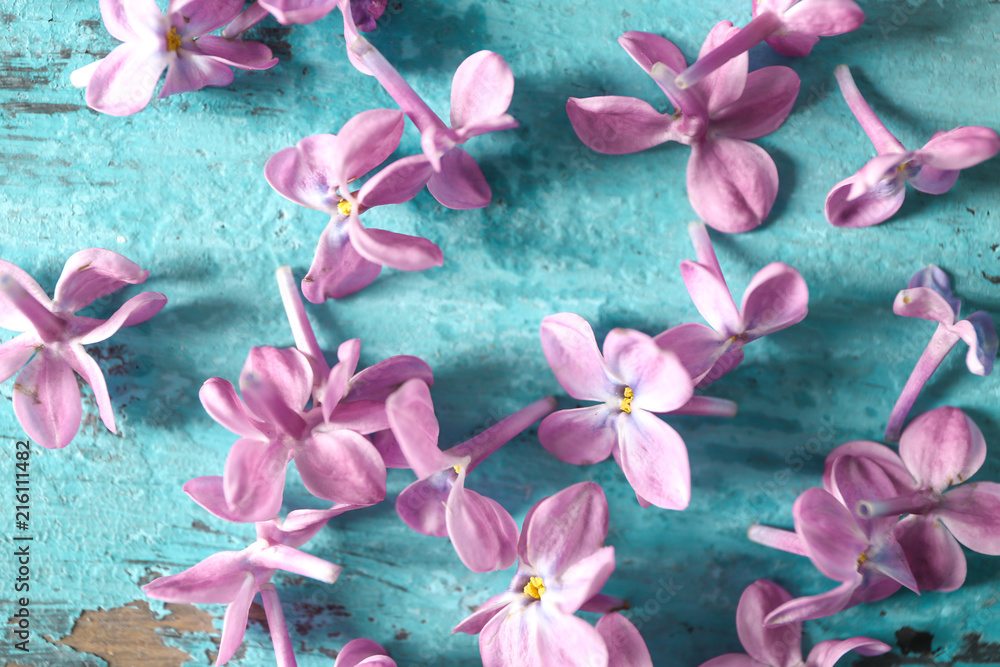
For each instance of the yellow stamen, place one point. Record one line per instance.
(907, 299)
(862, 558)
(344, 207)
(627, 401)
(458, 469)
(173, 40)
(535, 588)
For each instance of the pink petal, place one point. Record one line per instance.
(131, 20)
(625, 645)
(726, 84)
(794, 45)
(648, 49)
(340, 375)
(473, 623)
(289, 559)
(779, 647)
(732, 184)
(979, 333)
(658, 380)
(422, 505)
(343, 467)
(300, 526)
(481, 89)
(654, 459)
(827, 653)
(397, 182)
(234, 623)
(871, 208)
(571, 350)
(731, 660)
(925, 303)
(87, 368)
(209, 493)
(364, 417)
(775, 299)
(47, 400)
(123, 82)
(276, 384)
(216, 580)
(942, 447)
(711, 297)
(239, 53)
(399, 251)
(581, 436)
(534, 636)
(460, 183)
(482, 531)
(825, 18)
(365, 141)
(304, 173)
(92, 274)
(764, 105)
(388, 447)
(136, 310)
(289, 12)
(831, 534)
(254, 479)
(858, 479)
(376, 382)
(203, 16)
(972, 514)
(564, 528)
(880, 173)
(223, 405)
(933, 555)
(887, 460)
(934, 181)
(411, 416)
(358, 651)
(15, 353)
(337, 270)
(814, 606)
(10, 316)
(192, 71)
(485, 126)
(617, 125)
(698, 347)
(960, 148)
(580, 581)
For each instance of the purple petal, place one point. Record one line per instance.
(725, 85)
(337, 270)
(698, 347)
(460, 183)
(876, 452)
(365, 141)
(925, 303)
(366, 13)
(203, 16)
(481, 89)
(123, 82)
(288, 376)
(364, 417)
(980, 334)
(625, 645)
(216, 580)
(571, 350)
(191, 71)
(238, 53)
(304, 173)
(289, 559)
(473, 623)
(11, 316)
(775, 299)
(131, 20)
(659, 381)
(581, 581)
(87, 368)
(795, 45)
(942, 447)
(711, 297)
(485, 126)
(411, 416)
(831, 534)
(254, 479)
(376, 382)
(388, 448)
(960, 148)
(881, 170)
(933, 555)
(648, 49)
(934, 181)
(340, 374)
(778, 647)
(223, 405)
(581, 436)
(289, 12)
(234, 623)
(731, 660)
(482, 531)
(422, 504)
(827, 653)
(764, 105)
(934, 278)
(814, 606)
(824, 18)
(535, 636)
(47, 400)
(300, 526)
(616, 125)
(397, 182)
(654, 459)
(874, 206)
(399, 251)
(209, 493)
(136, 310)
(972, 514)
(92, 274)
(859, 479)
(343, 467)
(732, 184)
(15, 353)
(564, 528)
(358, 652)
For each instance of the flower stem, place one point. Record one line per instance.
(247, 19)
(918, 502)
(755, 32)
(777, 538)
(479, 447)
(687, 102)
(407, 99)
(937, 349)
(706, 406)
(49, 326)
(703, 248)
(302, 332)
(880, 136)
(283, 653)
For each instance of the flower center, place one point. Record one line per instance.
(535, 588)
(627, 401)
(862, 558)
(173, 40)
(345, 209)
(458, 469)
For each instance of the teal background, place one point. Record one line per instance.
(179, 188)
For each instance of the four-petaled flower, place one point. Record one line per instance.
(46, 397)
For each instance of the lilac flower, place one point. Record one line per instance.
(481, 530)
(317, 172)
(929, 297)
(233, 578)
(363, 653)
(563, 565)
(732, 183)
(876, 192)
(633, 380)
(481, 92)
(625, 645)
(46, 397)
(123, 82)
(790, 27)
(776, 298)
(781, 646)
(862, 554)
(938, 449)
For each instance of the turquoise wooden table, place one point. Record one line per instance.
(179, 188)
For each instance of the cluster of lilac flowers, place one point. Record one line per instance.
(882, 520)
